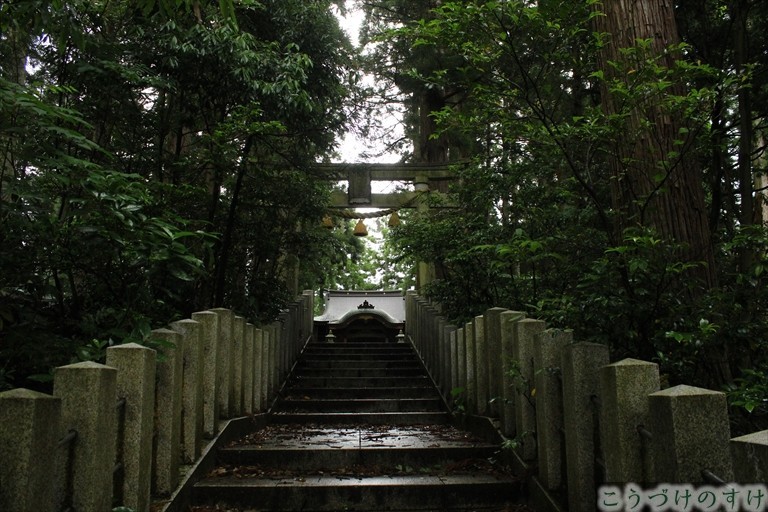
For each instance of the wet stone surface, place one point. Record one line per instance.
(364, 436)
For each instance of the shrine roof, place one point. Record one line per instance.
(339, 303)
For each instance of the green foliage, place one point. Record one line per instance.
(154, 161)
(459, 400)
(750, 391)
(537, 226)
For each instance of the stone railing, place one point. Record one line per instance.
(578, 419)
(117, 434)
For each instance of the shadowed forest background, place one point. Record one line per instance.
(156, 158)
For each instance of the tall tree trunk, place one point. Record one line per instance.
(226, 240)
(654, 182)
(746, 132)
(649, 187)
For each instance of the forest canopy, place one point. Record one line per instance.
(612, 164)
(157, 159)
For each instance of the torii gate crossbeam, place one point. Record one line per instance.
(432, 177)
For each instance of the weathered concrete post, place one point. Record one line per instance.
(461, 362)
(482, 367)
(547, 359)
(192, 389)
(266, 358)
(624, 390)
(136, 370)
(495, 360)
(749, 454)
(88, 393)
(448, 352)
(274, 354)
(470, 392)
(581, 383)
(168, 414)
(307, 323)
(286, 333)
(258, 354)
(508, 339)
(435, 332)
(226, 364)
(525, 413)
(248, 368)
(440, 346)
(410, 312)
(418, 333)
(209, 333)
(29, 432)
(690, 433)
(238, 352)
(453, 362)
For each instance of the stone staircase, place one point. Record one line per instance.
(358, 426)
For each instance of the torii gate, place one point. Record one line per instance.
(426, 178)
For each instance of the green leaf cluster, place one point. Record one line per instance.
(155, 160)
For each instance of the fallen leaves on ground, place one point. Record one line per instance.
(460, 467)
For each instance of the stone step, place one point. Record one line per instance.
(330, 460)
(381, 449)
(363, 418)
(358, 382)
(354, 467)
(360, 405)
(354, 348)
(358, 371)
(356, 363)
(360, 345)
(353, 356)
(426, 391)
(334, 493)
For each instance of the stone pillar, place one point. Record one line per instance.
(226, 363)
(525, 413)
(88, 393)
(469, 354)
(410, 312)
(453, 367)
(292, 339)
(269, 367)
(495, 361)
(440, 352)
(417, 335)
(168, 414)
(136, 370)
(265, 358)
(447, 349)
(258, 354)
(581, 364)
(421, 329)
(307, 322)
(750, 458)
(209, 331)
(435, 331)
(274, 352)
(690, 433)
(508, 338)
(29, 433)
(624, 390)
(461, 366)
(248, 369)
(238, 352)
(547, 356)
(192, 389)
(482, 368)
